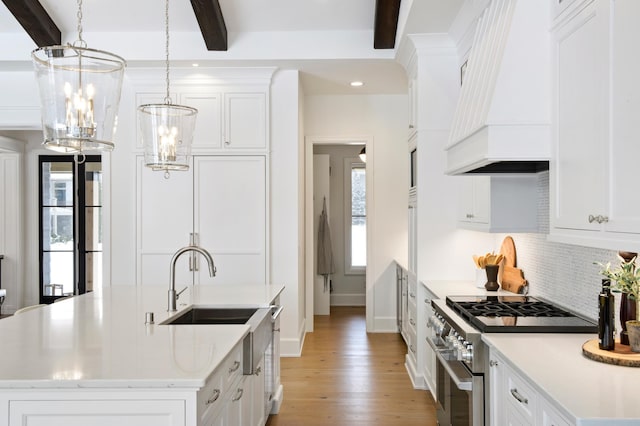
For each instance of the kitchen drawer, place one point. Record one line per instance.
(549, 416)
(520, 395)
(232, 366)
(210, 397)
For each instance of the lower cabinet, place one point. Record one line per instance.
(133, 412)
(515, 401)
(429, 358)
(229, 398)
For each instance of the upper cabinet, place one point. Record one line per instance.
(228, 119)
(498, 203)
(413, 106)
(594, 172)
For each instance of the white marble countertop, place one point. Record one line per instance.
(100, 339)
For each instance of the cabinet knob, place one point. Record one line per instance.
(227, 143)
(493, 363)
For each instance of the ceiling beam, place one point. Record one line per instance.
(211, 21)
(386, 24)
(36, 21)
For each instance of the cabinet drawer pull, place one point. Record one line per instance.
(521, 399)
(258, 370)
(412, 349)
(239, 393)
(214, 396)
(412, 322)
(236, 365)
(493, 363)
(469, 216)
(592, 218)
(412, 295)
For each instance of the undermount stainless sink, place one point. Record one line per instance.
(204, 315)
(259, 319)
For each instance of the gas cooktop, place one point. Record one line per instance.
(517, 314)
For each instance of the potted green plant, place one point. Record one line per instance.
(625, 278)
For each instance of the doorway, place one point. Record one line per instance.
(70, 212)
(348, 218)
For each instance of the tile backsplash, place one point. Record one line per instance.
(562, 273)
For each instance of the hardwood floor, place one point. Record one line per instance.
(348, 377)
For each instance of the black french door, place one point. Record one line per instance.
(70, 194)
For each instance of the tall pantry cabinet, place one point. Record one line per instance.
(221, 202)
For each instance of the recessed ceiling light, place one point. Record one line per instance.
(195, 65)
(356, 84)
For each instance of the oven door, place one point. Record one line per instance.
(460, 394)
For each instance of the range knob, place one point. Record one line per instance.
(467, 353)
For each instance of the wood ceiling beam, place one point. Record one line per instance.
(211, 21)
(35, 21)
(386, 24)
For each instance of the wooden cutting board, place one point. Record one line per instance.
(511, 278)
(621, 355)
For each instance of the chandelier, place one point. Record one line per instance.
(167, 129)
(79, 94)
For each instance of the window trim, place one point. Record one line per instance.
(349, 164)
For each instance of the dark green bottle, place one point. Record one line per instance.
(606, 318)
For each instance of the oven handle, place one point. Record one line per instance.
(460, 384)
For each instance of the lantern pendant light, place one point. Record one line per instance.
(167, 129)
(79, 92)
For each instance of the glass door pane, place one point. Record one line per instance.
(57, 240)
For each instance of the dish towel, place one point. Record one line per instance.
(325, 253)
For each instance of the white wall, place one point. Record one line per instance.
(348, 289)
(384, 118)
(286, 229)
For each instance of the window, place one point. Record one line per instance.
(69, 215)
(356, 216)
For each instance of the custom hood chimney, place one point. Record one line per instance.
(502, 120)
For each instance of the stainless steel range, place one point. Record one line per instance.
(455, 334)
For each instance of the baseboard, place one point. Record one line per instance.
(292, 347)
(385, 325)
(416, 379)
(338, 299)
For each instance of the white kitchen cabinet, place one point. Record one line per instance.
(229, 118)
(411, 328)
(413, 106)
(498, 203)
(133, 412)
(515, 401)
(258, 390)
(219, 204)
(429, 358)
(245, 120)
(593, 173)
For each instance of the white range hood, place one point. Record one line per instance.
(502, 120)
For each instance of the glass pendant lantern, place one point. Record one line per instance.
(79, 94)
(167, 129)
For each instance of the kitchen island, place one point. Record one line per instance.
(91, 359)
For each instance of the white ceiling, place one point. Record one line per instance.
(330, 41)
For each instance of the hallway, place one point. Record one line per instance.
(347, 377)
